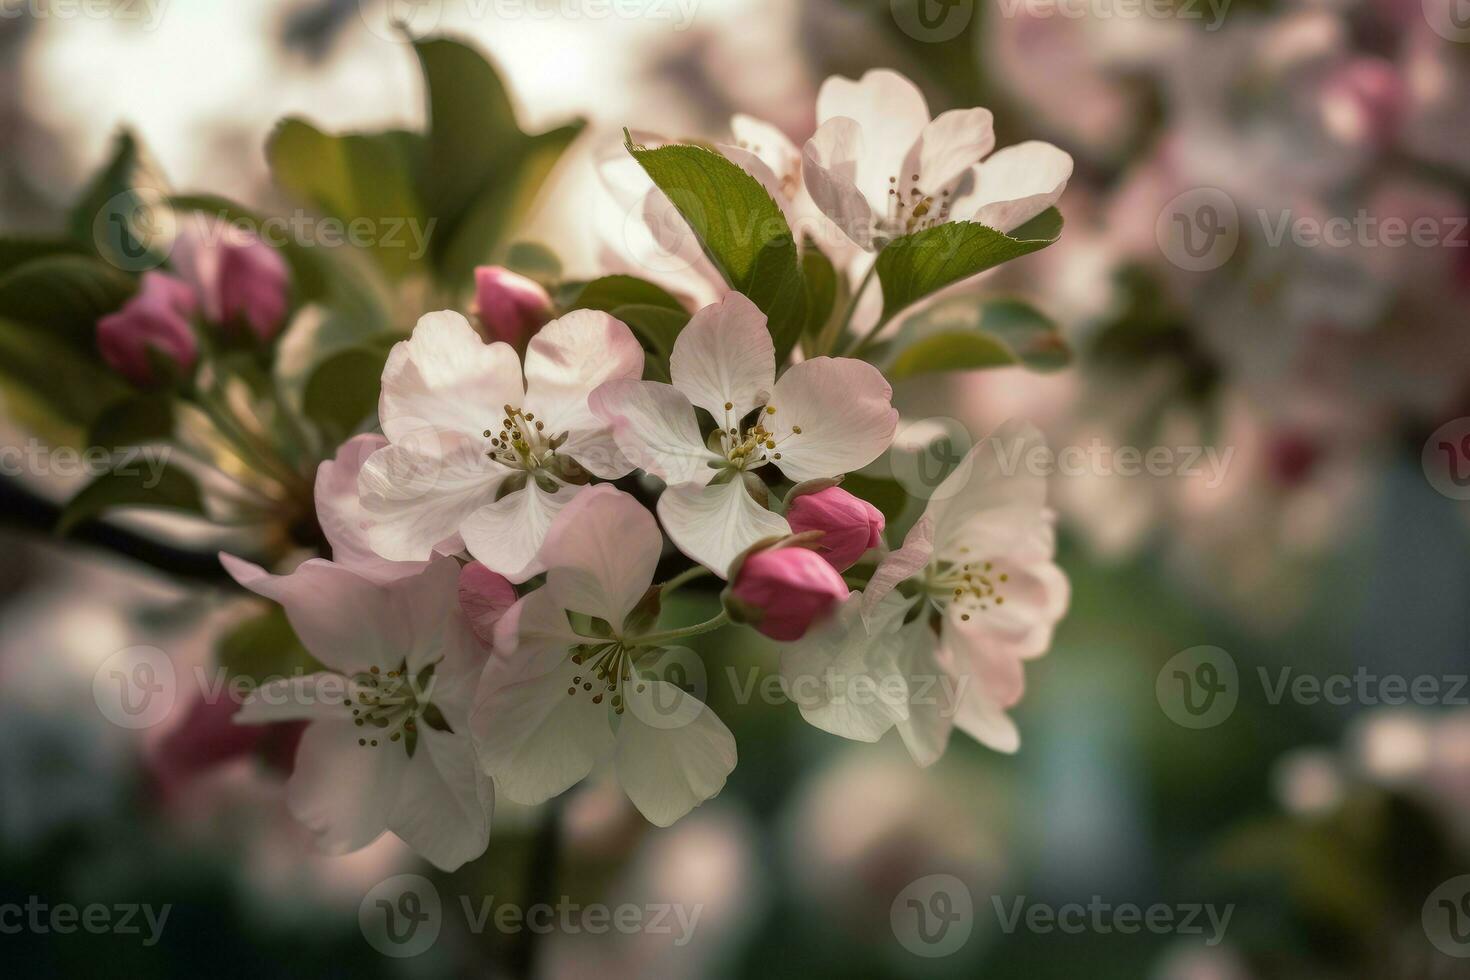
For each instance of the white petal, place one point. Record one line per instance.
(343, 791)
(987, 723)
(505, 536)
(445, 378)
(533, 637)
(417, 501)
(536, 740)
(344, 522)
(428, 606)
(897, 566)
(994, 497)
(343, 619)
(445, 801)
(1015, 185)
(830, 172)
(655, 428)
(725, 356)
(950, 145)
(892, 113)
(767, 143)
(601, 554)
(314, 697)
(931, 701)
(714, 524)
(842, 406)
(566, 360)
(990, 671)
(669, 769)
(847, 678)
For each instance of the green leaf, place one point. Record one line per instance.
(917, 265)
(611, 292)
(135, 421)
(18, 249)
(74, 390)
(119, 215)
(534, 261)
(342, 391)
(363, 177)
(821, 290)
(963, 335)
(657, 327)
(264, 647)
(133, 484)
(65, 296)
(741, 229)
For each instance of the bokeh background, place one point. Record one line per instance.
(1322, 382)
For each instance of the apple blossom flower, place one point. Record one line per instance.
(509, 306)
(567, 684)
(242, 282)
(880, 168)
(824, 417)
(388, 746)
(151, 329)
(946, 622)
(782, 592)
(849, 525)
(477, 449)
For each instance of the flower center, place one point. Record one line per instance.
(910, 209)
(389, 704)
(755, 445)
(971, 587)
(522, 442)
(609, 667)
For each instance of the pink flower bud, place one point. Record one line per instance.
(784, 592)
(241, 281)
(510, 306)
(156, 319)
(849, 524)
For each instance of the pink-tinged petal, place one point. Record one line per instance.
(767, 144)
(932, 693)
(724, 356)
(416, 501)
(343, 791)
(536, 740)
(506, 535)
(673, 752)
(601, 554)
(842, 407)
(445, 801)
(1015, 185)
(566, 361)
(949, 146)
(344, 521)
(996, 673)
(830, 172)
(891, 112)
(446, 380)
(986, 722)
(655, 429)
(901, 565)
(313, 697)
(714, 524)
(343, 619)
(994, 498)
(485, 597)
(532, 638)
(427, 604)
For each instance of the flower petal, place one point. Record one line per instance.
(847, 678)
(891, 112)
(766, 143)
(986, 722)
(830, 172)
(897, 566)
(445, 801)
(313, 697)
(673, 752)
(532, 638)
(714, 524)
(842, 407)
(445, 378)
(485, 597)
(601, 554)
(566, 360)
(949, 146)
(506, 535)
(1015, 185)
(725, 356)
(536, 740)
(343, 791)
(932, 696)
(655, 429)
(344, 521)
(417, 501)
(994, 498)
